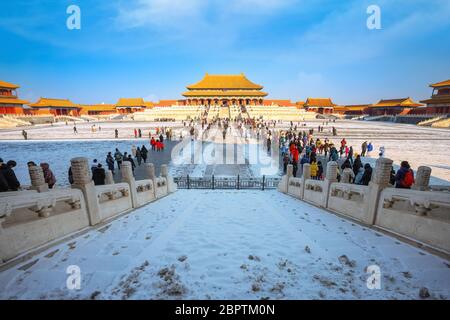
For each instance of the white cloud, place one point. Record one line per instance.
(256, 6)
(140, 13)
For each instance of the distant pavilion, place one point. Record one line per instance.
(319, 105)
(9, 101)
(131, 105)
(97, 109)
(354, 109)
(393, 107)
(56, 107)
(224, 90)
(440, 98)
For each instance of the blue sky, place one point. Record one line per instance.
(294, 48)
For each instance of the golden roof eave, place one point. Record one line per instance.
(224, 93)
(444, 83)
(222, 81)
(131, 102)
(403, 102)
(13, 101)
(4, 84)
(55, 103)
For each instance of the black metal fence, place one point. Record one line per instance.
(227, 183)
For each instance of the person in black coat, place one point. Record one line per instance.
(357, 164)
(133, 165)
(367, 175)
(144, 153)
(70, 175)
(3, 182)
(98, 175)
(10, 176)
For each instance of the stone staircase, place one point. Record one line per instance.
(444, 123)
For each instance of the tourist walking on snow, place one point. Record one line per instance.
(138, 156)
(363, 149)
(116, 134)
(25, 135)
(119, 158)
(319, 170)
(110, 162)
(153, 143)
(382, 151)
(144, 153)
(369, 148)
(49, 177)
(133, 165)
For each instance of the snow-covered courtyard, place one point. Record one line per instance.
(229, 245)
(57, 145)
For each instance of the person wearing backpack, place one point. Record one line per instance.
(404, 178)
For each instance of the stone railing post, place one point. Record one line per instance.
(109, 179)
(422, 180)
(150, 169)
(37, 179)
(345, 177)
(331, 177)
(127, 176)
(164, 171)
(171, 185)
(82, 181)
(284, 183)
(380, 180)
(306, 175)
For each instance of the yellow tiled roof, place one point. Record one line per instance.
(149, 104)
(222, 81)
(441, 84)
(49, 102)
(319, 102)
(225, 93)
(403, 102)
(131, 102)
(437, 100)
(4, 84)
(12, 101)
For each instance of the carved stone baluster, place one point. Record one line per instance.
(82, 180)
(37, 179)
(109, 179)
(127, 176)
(422, 180)
(379, 181)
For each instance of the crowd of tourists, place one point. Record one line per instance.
(113, 160)
(300, 147)
(8, 178)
